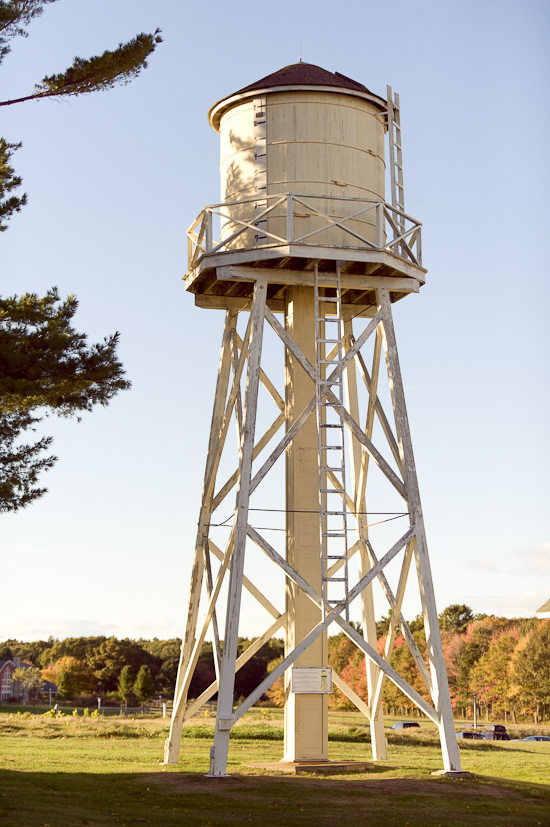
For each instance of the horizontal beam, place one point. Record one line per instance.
(232, 272)
(234, 303)
(396, 265)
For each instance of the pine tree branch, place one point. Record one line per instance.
(8, 182)
(97, 73)
(14, 15)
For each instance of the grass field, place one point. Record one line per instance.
(59, 772)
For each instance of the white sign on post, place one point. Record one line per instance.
(311, 680)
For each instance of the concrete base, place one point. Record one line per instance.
(325, 767)
(455, 774)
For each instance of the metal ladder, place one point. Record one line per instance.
(332, 465)
(396, 158)
(260, 169)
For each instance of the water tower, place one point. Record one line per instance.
(310, 250)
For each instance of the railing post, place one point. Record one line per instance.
(189, 251)
(208, 230)
(289, 217)
(380, 225)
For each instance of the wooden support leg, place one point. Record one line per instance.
(359, 468)
(440, 688)
(219, 752)
(378, 736)
(173, 742)
(305, 716)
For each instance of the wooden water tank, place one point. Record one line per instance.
(322, 135)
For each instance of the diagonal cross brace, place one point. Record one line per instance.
(333, 615)
(350, 422)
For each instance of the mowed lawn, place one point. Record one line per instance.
(108, 771)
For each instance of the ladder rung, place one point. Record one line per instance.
(335, 580)
(326, 387)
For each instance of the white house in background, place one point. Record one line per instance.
(544, 610)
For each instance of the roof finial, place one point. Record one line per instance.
(300, 52)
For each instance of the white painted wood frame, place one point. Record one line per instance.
(236, 353)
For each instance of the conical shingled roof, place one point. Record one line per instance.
(303, 75)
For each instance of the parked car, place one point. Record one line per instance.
(496, 736)
(404, 724)
(534, 738)
(496, 732)
(470, 735)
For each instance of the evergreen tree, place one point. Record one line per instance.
(126, 682)
(9, 181)
(20, 464)
(30, 652)
(108, 659)
(76, 648)
(65, 685)
(36, 338)
(45, 365)
(94, 74)
(456, 618)
(144, 686)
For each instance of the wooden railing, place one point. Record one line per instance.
(396, 232)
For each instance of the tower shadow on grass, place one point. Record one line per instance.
(171, 797)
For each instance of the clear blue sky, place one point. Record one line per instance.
(114, 180)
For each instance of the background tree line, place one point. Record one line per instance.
(504, 662)
(84, 668)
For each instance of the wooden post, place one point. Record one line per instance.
(440, 688)
(173, 742)
(218, 759)
(359, 467)
(306, 716)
